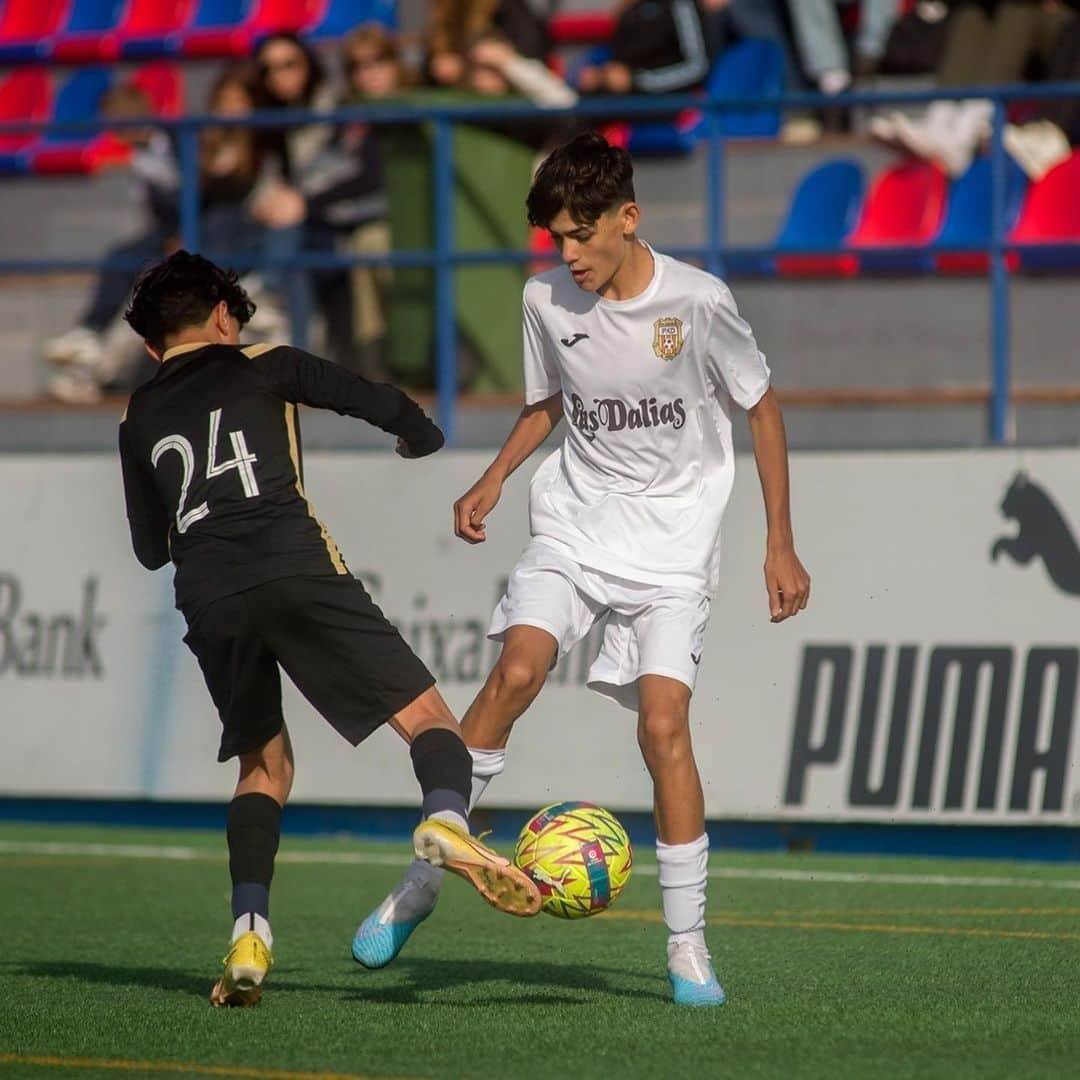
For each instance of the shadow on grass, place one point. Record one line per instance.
(155, 978)
(428, 975)
(534, 983)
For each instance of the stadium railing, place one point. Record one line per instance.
(714, 253)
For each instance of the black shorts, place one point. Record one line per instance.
(332, 640)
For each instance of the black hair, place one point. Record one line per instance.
(180, 292)
(586, 177)
(316, 71)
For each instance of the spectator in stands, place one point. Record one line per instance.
(453, 24)
(1047, 139)
(92, 355)
(990, 42)
(822, 48)
(374, 71)
(495, 67)
(89, 355)
(659, 47)
(322, 176)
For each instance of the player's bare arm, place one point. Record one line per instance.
(533, 426)
(786, 579)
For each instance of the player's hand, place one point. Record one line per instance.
(402, 449)
(787, 582)
(475, 505)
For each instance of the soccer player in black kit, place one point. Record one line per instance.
(210, 449)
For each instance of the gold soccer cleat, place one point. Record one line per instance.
(495, 878)
(246, 966)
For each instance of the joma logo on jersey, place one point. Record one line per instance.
(615, 415)
(667, 339)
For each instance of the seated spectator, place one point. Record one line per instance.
(988, 44)
(452, 24)
(374, 71)
(97, 353)
(493, 68)
(659, 47)
(822, 48)
(322, 177)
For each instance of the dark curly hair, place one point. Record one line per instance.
(586, 177)
(180, 292)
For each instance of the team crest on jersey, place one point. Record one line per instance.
(667, 339)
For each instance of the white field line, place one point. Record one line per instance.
(364, 858)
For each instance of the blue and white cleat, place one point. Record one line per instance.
(693, 981)
(381, 936)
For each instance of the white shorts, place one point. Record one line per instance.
(649, 629)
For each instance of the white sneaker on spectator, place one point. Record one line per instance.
(1036, 147)
(270, 323)
(74, 385)
(80, 345)
(949, 133)
(882, 127)
(800, 131)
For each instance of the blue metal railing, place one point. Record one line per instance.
(443, 257)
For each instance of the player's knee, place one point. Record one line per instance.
(517, 678)
(664, 735)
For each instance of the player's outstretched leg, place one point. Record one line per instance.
(444, 769)
(384, 932)
(510, 687)
(253, 831)
(682, 852)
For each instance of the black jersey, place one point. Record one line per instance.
(210, 449)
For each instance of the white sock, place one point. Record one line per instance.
(486, 765)
(683, 872)
(250, 921)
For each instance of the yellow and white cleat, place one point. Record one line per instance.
(246, 966)
(494, 877)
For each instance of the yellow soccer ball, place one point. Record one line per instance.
(579, 856)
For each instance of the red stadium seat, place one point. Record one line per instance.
(152, 27)
(1050, 215)
(163, 84)
(904, 208)
(25, 94)
(27, 25)
(581, 27)
(265, 17)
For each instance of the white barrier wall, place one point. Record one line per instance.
(928, 680)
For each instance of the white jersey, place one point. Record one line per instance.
(639, 486)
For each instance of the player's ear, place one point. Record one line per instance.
(631, 218)
(222, 319)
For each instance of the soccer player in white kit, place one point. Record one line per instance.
(644, 356)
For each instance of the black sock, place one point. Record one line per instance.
(254, 830)
(444, 768)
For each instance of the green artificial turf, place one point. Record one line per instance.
(108, 960)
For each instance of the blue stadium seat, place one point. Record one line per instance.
(755, 69)
(213, 20)
(78, 152)
(967, 217)
(823, 211)
(341, 16)
(86, 35)
(752, 69)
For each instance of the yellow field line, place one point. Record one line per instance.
(859, 928)
(50, 1061)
